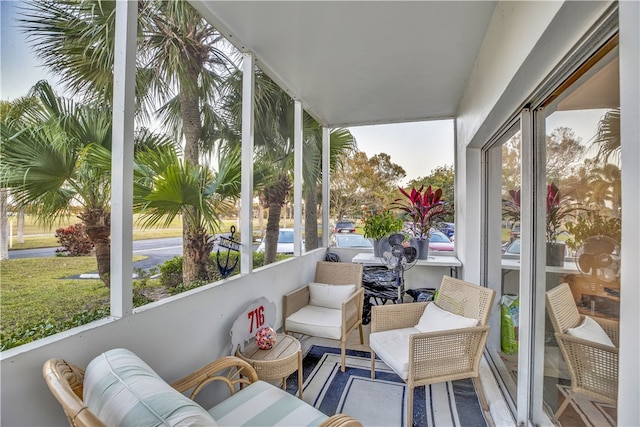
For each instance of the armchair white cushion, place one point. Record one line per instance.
(316, 321)
(329, 296)
(436, 319)
(590, 330)
(392, 346)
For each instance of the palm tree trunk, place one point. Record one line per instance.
(197, 248)
(97, 224)
(271, 235)
(311, 219)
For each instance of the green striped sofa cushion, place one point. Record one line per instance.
(122, 390)
(262, 404)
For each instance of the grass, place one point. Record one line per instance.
(38, 289)
(35, 290)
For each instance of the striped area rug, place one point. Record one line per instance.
(382, 402)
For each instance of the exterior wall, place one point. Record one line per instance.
(629, 386)
(527, 40)
(174, 336)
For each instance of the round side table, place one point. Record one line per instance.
(278, 362)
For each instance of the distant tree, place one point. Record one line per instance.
(564, 154)
(364, 181)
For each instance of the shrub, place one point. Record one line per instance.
(73, 241)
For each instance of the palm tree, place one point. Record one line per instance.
(607, 138)
(167, 186)
(178, 67)
(341, 142)
(48, 162)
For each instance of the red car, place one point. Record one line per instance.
(440, 242)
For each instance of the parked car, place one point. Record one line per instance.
(511, 249)
(285, 242)
(448, 228)
(440, 242)
(344, 227)
(515, 232)
(349, 240)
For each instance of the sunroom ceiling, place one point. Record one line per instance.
(361, 62)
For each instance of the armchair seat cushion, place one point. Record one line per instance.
(262, 404)
(316, 321)
(392, 346)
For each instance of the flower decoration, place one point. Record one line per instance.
(423, 207)
(266, 338)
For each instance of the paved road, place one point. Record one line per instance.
(157, 251)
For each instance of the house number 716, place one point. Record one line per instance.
(256, 317)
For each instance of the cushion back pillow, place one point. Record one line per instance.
(590, 330)
(436, 319)
(329, 296)
(122, 390)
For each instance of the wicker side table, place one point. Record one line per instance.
(276, 363)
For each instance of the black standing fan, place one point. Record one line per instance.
(400, 254)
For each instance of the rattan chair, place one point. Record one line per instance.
(333, 273)
(65, 381)
(440, 356)
(593, 367)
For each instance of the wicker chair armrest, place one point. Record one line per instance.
(231, 370)
(352, 309)
(582, 344)
(65, 381)
(396, 316)
(446, 355)
(341, 420)
(294, 301)
(611, 328)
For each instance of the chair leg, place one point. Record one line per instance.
(564, 405)
(343, 356)
(480, 393)
(410, 407)
(361, 334)
(373, 365)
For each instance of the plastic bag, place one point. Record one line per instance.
(509, 323)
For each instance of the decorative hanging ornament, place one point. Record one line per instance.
(266, 338)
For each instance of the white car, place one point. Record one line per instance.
(285, 242)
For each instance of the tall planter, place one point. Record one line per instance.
(378, 246)
(555, 254)
(423, 249)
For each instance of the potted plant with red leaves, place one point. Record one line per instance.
(559, 208)
(422, 207)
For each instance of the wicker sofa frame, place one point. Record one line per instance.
(65, 381)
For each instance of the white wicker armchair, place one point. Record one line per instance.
(422, 358)
(593, 367)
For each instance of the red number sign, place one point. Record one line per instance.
(256, 317)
